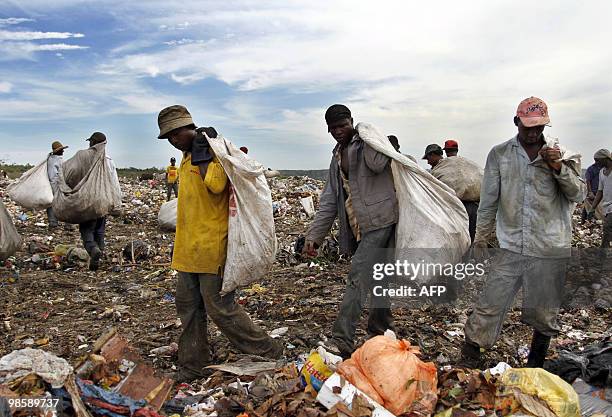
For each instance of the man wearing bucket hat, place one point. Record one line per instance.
(528, 192)
(54, 163)
(604, 194)
(200, 250)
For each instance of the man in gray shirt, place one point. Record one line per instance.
(528, 193)
(54, 163)
(604, 195)
(360, 192)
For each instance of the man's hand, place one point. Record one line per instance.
(310, 249)
(480, 250)
(552, 156)
(210, 131)
(200, 151)
(590, 195)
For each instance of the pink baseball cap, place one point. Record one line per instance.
(533, 112)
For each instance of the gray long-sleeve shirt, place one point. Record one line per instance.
(372, 193)
(530, 204)
(54, 163)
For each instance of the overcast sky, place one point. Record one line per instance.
(263, 72)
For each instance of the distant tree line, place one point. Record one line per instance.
(15, 170)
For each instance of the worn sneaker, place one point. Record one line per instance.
(94, 259)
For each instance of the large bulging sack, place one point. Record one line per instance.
(251, 240)
(389, 371)
(32, 190)
(462, 175)
(166, 218)
(10, 241)
(433, 223)
(88, 187)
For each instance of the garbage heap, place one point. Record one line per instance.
(385, 377)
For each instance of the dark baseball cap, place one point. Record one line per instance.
(433, 148)
(98, 137)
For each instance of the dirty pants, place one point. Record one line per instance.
(606, 235)
(51, 217)
(92, 234)
(359, 286)
(542, 279)
(472, 210)
(198, 295)
(171, 187)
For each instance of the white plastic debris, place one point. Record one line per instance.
(308, 205)
(328, 398)
(49, 367)
(278, 332)
(499, 369)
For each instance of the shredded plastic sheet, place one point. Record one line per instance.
(19, 363)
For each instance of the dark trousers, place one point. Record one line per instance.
(359, 287)
(606, 235)
(198, 295)
(171, 187)
(51, 217)
(472, 210)
(92, 234)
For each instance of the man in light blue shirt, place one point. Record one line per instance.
(529, 191)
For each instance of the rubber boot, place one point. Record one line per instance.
(94, 258)
(539, 347)
(470, 356)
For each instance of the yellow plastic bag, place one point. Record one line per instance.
(315, 372)
(557, 394)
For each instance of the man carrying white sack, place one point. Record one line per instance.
(93, 231)
(529, 190)
(200, 251)
(54, 163)
(361, 193)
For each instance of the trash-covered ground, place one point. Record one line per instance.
(50, 300)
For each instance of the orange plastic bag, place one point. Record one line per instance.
(389, 371)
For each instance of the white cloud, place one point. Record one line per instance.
(178, 26)
(6, 35)
(75, 97)
(184, 41)
(51, 47)
(25, 50)
(5, 87)
(15, 21)
(423, 71)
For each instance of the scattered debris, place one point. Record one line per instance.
(52, 301)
